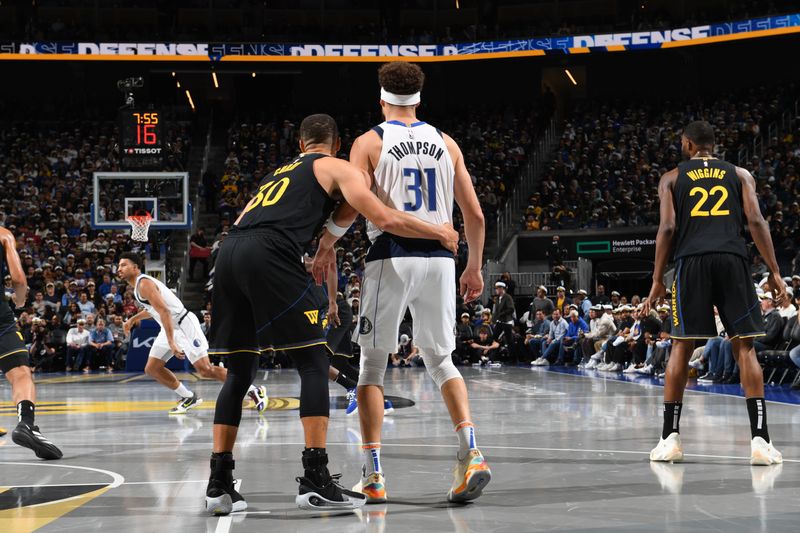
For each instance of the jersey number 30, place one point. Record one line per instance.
(416, 187)
(269, 194)
(716, 211)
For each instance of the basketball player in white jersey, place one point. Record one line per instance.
(417, 169)
(180, 336)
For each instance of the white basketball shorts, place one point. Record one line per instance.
(425, 285)
(189, 338)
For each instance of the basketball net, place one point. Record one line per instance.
(140, 224)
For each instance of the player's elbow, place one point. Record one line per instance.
(385, 221)
(667, 229)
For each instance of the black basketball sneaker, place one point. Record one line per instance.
(221, 496)
(30, 437)
(320, 491)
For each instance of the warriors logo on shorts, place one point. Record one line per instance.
(364, 326)
(196, 343)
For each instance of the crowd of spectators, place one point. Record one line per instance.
(606, 167)
(76, 305)
(495, 145)
(608, 162)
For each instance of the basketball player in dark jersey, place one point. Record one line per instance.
(14, 356)
(704, 202)
(263, 299)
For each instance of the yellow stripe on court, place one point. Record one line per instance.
(87, 407)
(31, 518)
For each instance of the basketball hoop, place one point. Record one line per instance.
(140, 224)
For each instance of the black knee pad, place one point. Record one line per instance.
(242, 370)
(312, 364)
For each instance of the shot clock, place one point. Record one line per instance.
(141, 144)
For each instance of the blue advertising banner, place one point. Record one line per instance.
(142, 338)
(538, 46)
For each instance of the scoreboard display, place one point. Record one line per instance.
(141, 144)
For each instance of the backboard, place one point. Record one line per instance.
(165, 195)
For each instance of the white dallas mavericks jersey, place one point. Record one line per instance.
(172, 302)
(414, 173)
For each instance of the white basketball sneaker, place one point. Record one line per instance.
(669, 450)
(763, 453)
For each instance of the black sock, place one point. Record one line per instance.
(757, 409)
(345, 382)
(672, 418)
(25, 412)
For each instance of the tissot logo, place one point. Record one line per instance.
(145, 151)
(147, 343)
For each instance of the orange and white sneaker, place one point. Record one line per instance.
(470, 477)
(763, 453)
(372, 486)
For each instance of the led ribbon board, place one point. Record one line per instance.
(538, 46)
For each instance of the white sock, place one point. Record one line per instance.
(182, 391)
(372, 457)
(466, 438)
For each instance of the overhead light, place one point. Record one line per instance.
(173, 74)
(191, 102)
(214, 77)
(458, 6)
(570, 76)
(178, 84)
(254, 74)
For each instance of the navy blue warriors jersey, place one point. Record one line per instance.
(708, 208)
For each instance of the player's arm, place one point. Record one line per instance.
(664, 238)
(134, 320)
(325, 258)
(471, 283)
(332, 283)
(759, 230)
(18, 279)
(150, 292)
(351, 181)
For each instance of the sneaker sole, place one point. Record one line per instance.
(239, 506)
(675, 457)
(220, 506)
(475, 485)
(42, 451)
(311, 501)
(199, 402)
(760, 459)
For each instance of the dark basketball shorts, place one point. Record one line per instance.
(12, 350)
(263, 298)
(705, 281)
(339, 337)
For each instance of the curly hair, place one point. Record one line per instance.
(399, 77)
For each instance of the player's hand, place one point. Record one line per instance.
(176, 351)
(324, 261)
(449, 238)
(333, 314)
(777, 287)
(657, 292)
(471, 284)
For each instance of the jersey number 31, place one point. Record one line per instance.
(416, 187)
